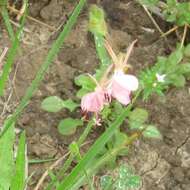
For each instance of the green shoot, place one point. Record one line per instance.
(7, 22)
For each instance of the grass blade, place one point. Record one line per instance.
(6, 158)
(35, 161)
(92, 170)
(11, 56)
(18, 182)
(101, 50)
(71, 157)
(48, 61)
(93, 151)
(7, 22)
(7, 67)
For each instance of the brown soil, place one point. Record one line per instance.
(163, 165)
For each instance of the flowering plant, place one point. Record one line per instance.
(109, 96)
(167, 71)
(117, 85)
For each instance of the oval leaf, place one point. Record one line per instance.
(138, 114)
(70, 105)
(184, 68)
(120, 138)
(177, 80)
(152, 132)
(52, 104)
(97, 22)
(175, 57)
(68, 126)
(74, 148)
(106, 182)
(134, 182)
(187, 51)
(137, 117)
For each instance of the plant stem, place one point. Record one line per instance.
(86, 175)
(71, 157)
(100, 49)
(103, 160)
(69, 180)
(184, 36)
(79, 142)
(153, 21)
(86, 132)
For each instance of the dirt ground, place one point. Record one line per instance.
(163, 165)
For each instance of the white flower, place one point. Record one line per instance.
(160, 78)
(122, 85)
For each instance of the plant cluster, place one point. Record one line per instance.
(106, 99)
(166, 72)
(173, 11)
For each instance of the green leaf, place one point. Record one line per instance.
(126, 179)
(137, 118)
(106, 182)
(74, 148)
(68, 126)
(6, 158)
(97, 22)
(70, 180)
(55, 104)
(177, 80)
(175, 57)
(52, 104)
(152, 132)
(171, 3)
(120, 138)
(82, 92)
(184, 68)
(86, 83)
(177, 12)
(187, 51)
(106, 112)
(134, 182)
(18, 182)
(70, 105)
(138, 114)
(85, 80)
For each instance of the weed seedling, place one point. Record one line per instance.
(172, 11)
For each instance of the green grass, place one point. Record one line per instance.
(12, 52)
(18, 182)
(6, 19)
(42, 70)
(6, 158)
(70, 180)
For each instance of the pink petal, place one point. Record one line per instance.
(121, 94)
(93, 101)
(128, 82)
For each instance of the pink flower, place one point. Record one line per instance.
(121, 86)
(94, 101)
